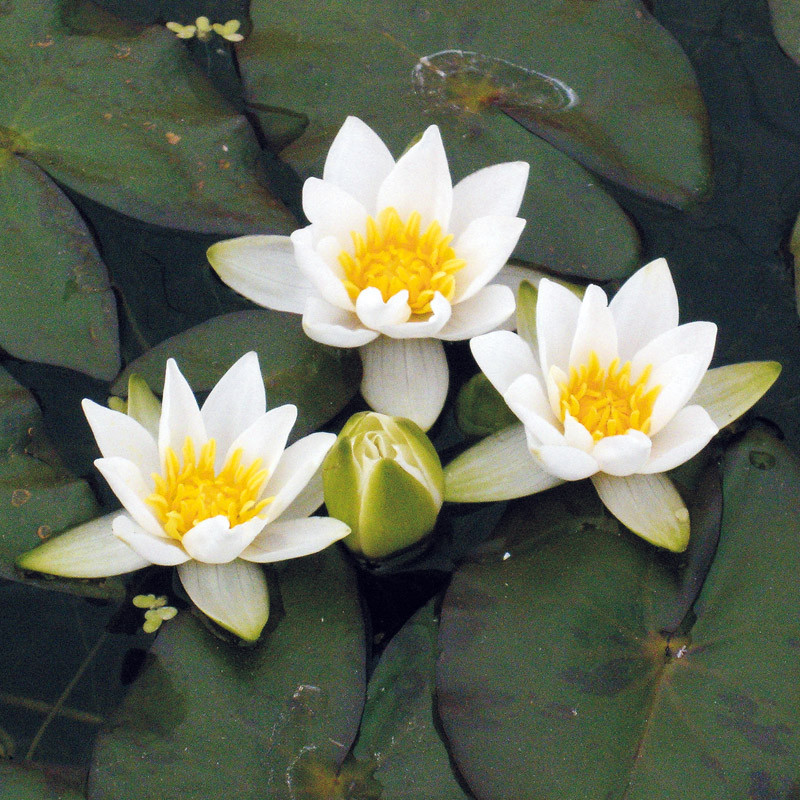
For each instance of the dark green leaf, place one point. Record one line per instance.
(207, 719)
(786, 24)
(317, 379)
(28, 783)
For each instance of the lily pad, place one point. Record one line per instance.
(56, 304)
(786, 25)
(29, 783)
(556, 679)
(319, 380)
(398, 732)
(207, 719)
(120, 114)
(38, 496)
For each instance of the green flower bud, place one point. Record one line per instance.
(384, 479)
(480, 408)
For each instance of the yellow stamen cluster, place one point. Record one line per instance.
(605, 402)
(190, 492)
(396, 256)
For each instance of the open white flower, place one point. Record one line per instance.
(395, 259)
(211, 491)
(617, 392)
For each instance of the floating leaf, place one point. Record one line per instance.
(397, 731)
(786, 25)
(317, 379)
(56, 304)
(38, 497)
(551, 640)
(207, 719)
(29, 783)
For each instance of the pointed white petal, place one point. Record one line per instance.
(687, 433)
(526, 398)
(119, 435)
(213, 541)
(727, 392)
(333, 211)
(595, 331)
(328, 324)
(421, 327)
(265, 438)
(235, 403)
(180, 415)
(496, 191)
(678, 379)
(375, 314)
(308, 500)
(694, 338)
(263, 269)
(405, 378)
(131, 488)
(358, 161)
(319, 264)
(87, 551)
(155, 549)
(500, 467)
(297, 467)
(503, 357)
(557, 312)
(555, 379)
(624, 454)
(576, 434)
(566, 462)
(294, 538)
(649, 505)
(485, 245)
(420, 181)
(234, 595)
(483, 312)
(645, 307)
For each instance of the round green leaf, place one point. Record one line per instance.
(56, 304)
(552, 640)
(28, 783)
(786, 25)
(208, 719)
(327, 60)
(317, 379)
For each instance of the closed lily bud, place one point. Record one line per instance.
(384, 479)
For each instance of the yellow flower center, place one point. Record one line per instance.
(396, 256)
(190, 492)
(605, 402)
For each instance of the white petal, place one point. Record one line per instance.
(526, 398)
(624, 454)
(503, 357)
(420, 181)
(695, 338)
(500, 467)
(557, 312)
(483, 312)
(298, 465)
(131, 488)
(333, 211)
(678, 379)
(265, 438)
(649, 505)
(263, 269)
(422, 327)
(491, 191)
(328, 324)
(294, 538)
(555, 379)
(375, 314)
(576, 434)
(235, 403)
(645, 307)
(308, 500)
(213, 541)
(595, 331)
(119, 435)
(485, 245)
(234, 595)
(87, 551)
(405, 378)
(565, 462)
(687, 433)
(358, 161)
(180, 416)
(319, 264)
(727, 392)
(155, 549)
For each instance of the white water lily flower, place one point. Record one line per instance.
(215, 492)
(395, 259)
(616, 392)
